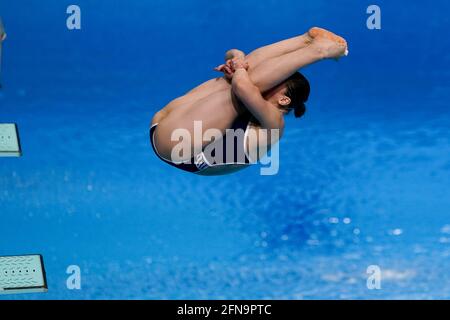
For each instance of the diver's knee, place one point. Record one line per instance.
(234, 53)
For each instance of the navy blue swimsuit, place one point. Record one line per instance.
(206, 160)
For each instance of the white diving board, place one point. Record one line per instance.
(22, 274)
(9, 140)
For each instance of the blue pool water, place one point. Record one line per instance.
(364, 176)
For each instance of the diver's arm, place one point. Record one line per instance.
(268, 116)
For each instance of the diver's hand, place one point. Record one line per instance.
(231, 66)
(226, 70)
(238, 63)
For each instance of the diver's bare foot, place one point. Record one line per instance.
(329, 45)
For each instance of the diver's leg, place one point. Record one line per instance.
(255, 58)
(271, 72)
(277, 49)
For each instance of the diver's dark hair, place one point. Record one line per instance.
(298, 90)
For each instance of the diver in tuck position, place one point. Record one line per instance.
(254, 95)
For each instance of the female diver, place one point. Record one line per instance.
(197, 131)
